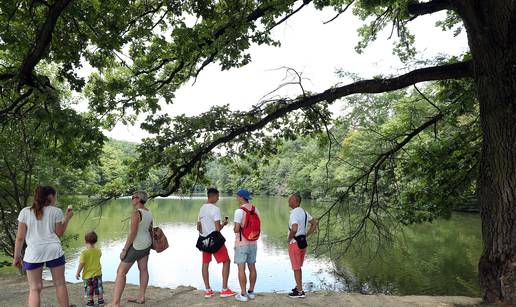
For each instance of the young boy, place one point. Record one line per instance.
(92, 274)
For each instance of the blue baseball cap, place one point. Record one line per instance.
(244, 193)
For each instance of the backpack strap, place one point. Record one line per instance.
(245, 210)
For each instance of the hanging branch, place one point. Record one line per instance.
(449, 71)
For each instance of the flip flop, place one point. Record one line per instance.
(136, 301)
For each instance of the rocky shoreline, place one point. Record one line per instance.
(15, 290)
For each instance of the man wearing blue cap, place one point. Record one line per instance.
(247, 231)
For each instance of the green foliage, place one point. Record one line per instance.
(433, 174)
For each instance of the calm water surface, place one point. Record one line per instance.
(438, 258)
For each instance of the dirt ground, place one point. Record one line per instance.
(14, 291)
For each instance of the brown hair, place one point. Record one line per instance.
(41, 200)
(91, 237)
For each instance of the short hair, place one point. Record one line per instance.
(212, 191)
(142, 195)
(297, 196)
(91, 237)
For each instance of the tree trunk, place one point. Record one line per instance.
(491, 28)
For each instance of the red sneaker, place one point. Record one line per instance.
(227, 293)
(208, 293)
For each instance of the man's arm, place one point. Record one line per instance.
(237, 220)
(313, 226)
(236, 228)
(292, 233)
(218, 225)
(199, 227)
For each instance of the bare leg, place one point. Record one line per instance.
(252, 276)
(298, 275)
(144, 276)
(242, 279)
(35, 286)
(225, 274)
(60, 284)
(206, 275)
(123, 268)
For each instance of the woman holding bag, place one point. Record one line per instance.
(137, 248)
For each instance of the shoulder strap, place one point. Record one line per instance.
(306, 218)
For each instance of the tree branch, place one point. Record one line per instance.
(374, 169)
(416, 9)
(443, 72)
(42, 42)
(253, 16)
(15, 103)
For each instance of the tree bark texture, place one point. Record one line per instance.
(491, 29)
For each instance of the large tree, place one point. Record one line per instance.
(144, 50)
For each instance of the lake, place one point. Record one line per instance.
(437, 259)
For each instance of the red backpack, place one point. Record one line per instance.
(251, 228)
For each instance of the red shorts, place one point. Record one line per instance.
(297, 256)
(221, 255)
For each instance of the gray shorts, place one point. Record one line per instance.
(245, 254)
(133, 255)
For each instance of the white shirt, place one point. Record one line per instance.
(297, 216)
(43, 244)
(239, 218)
(208, 214)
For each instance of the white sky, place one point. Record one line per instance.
(311, 47)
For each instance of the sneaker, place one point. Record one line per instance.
(90, 303)
(208, 293)
(227, 293)
(296, 293)
(240, 297)
(101, 302)
(251, 295)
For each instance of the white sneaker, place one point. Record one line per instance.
(251, 295)
(240, 297)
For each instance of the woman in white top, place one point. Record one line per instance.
(137, 248)
(41, 226)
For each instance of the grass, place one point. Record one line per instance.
(6, 269)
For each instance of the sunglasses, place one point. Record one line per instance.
(134, 197)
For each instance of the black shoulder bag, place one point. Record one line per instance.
(211, 243)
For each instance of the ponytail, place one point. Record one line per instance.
(41, 200)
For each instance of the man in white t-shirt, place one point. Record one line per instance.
(245, 250)
(297, 225)
(209, 221)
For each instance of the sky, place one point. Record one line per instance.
(314, 49)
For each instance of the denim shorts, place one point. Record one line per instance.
(245, 254)
(50, 264)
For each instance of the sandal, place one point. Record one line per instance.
(136, 301)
